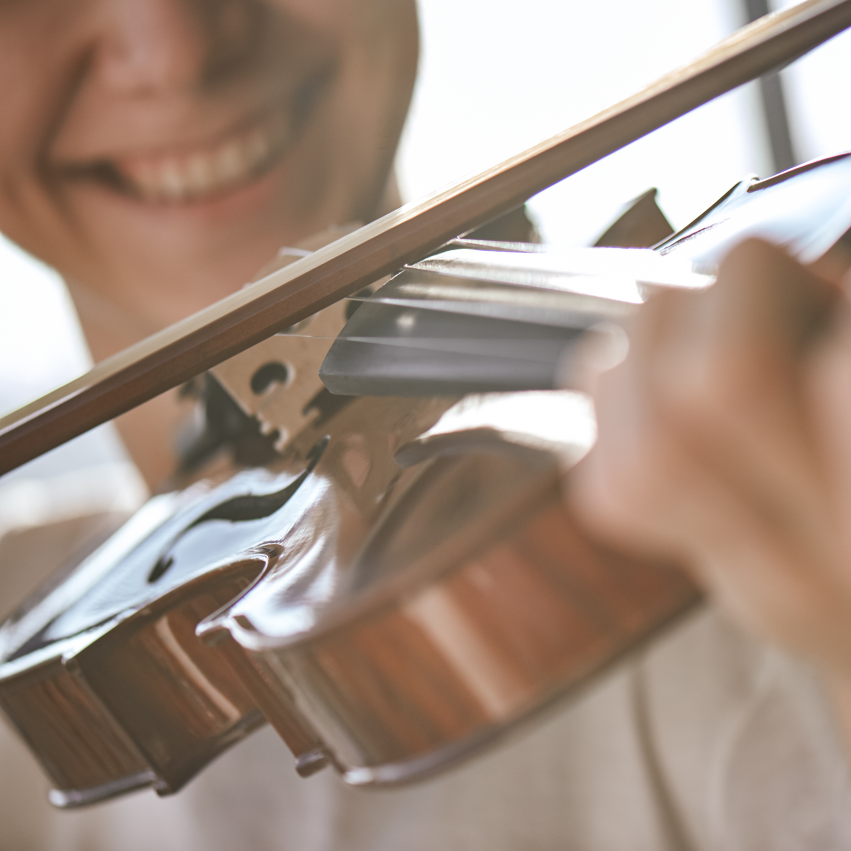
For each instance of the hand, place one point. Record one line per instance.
(725, 443)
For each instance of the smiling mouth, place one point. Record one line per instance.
(205, 172)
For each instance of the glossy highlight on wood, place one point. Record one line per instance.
(417, 684)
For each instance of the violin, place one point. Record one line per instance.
(400, 583)
(383, 552)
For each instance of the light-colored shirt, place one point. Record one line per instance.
(708, 740)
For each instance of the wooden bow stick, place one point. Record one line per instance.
(233, 324)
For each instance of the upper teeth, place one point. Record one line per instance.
(192, 175)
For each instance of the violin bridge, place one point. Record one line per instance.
(277, 380)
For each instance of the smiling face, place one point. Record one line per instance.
(158, 152)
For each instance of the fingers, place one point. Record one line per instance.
(617, 489)
(708, 450)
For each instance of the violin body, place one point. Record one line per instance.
(104, 677)
(473, 603)
(350, 616)
(398, 586)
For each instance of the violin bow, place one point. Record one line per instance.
(235, 323)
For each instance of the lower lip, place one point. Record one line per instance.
(238, 193)
(239, 200)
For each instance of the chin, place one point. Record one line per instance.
(186, 254)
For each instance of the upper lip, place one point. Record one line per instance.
(202, 170)
(248, 141)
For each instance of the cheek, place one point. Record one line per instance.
(27, 205)
(378, 80)
(353, 145)
(328, 15)
(368, 25)
(38, 68)
(27, 103)
(40, 58)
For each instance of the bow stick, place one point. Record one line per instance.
(177, 353)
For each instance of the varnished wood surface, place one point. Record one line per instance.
(177, 353)
(477, 601)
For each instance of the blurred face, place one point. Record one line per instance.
(160, 151)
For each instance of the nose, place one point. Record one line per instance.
(147, 46)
